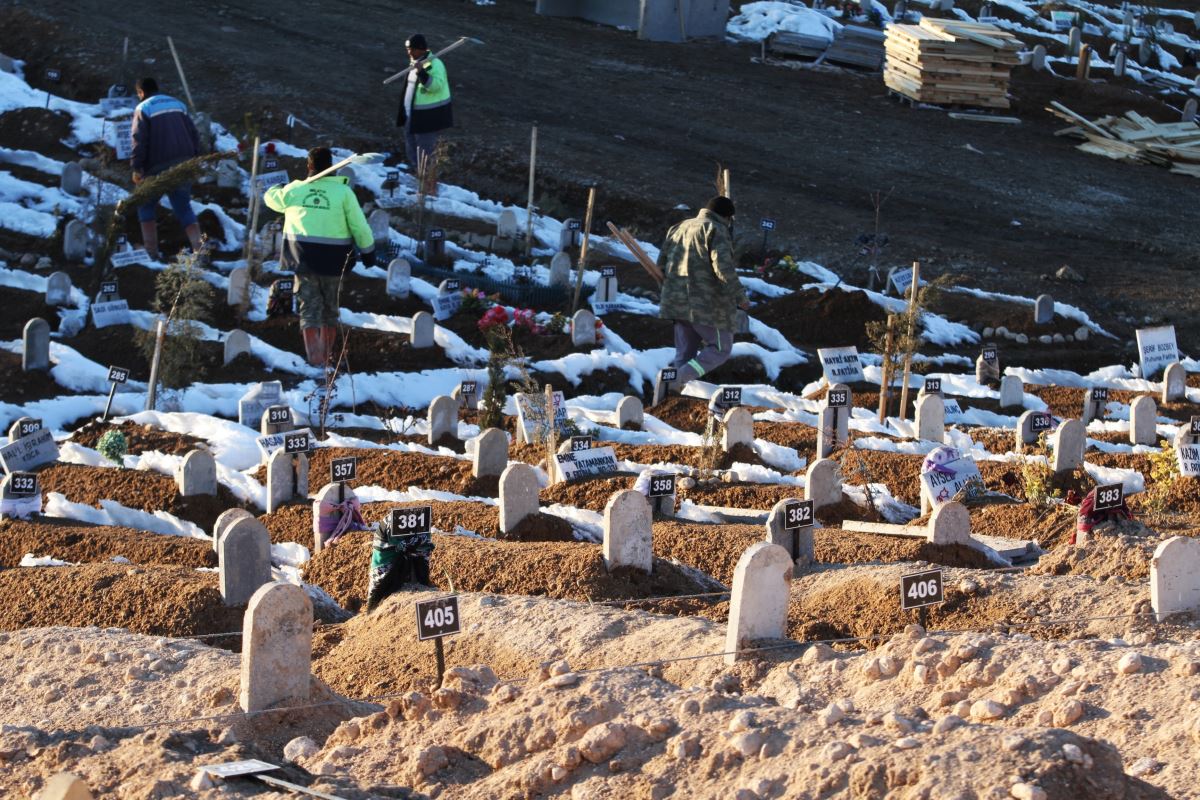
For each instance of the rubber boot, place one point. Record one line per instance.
(313, 348)
(150, 239)
(329, 343)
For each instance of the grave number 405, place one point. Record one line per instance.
(439, 617)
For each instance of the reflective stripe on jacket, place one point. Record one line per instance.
(163, 135)
(322, 224)
(431, 107)
(700, 283)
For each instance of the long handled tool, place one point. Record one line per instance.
(631, 244)
(438, 54)
(357, 158)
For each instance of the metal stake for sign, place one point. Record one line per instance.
(108, 405)
(440, 650)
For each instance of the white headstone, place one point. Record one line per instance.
(1174, 383)
(560, 270)
(35, 353)
(287, 477)
(945, 472)
(568, 236)
(630, 411)
(737, 427)
(823, 484)
(21, 504)
(949, 524)
(244, 560)
(518, 495)
(254, 402)
(1092, 409)
(826, 431)
(1068, 442)
(1043, 310)
(506, 225)
(72, 178)
(64, 785)
(239, 286)
(197, 474)
(627, 531)
(22, 427)
(759, 604)
(1190, 108)
(583, 328)
(58, 289)
(225, 519)
(1175, 577)
(472, 401)
(1073, 41)
(443, 418)
(75, 241)
(399, 278)
(931, 418)
(268, 428)
(802, 537)
(606, 290)
(491, 453)
(1183, 435)
(1012, 392)
(228, 175)
(1119, 64)
(1038, 61)
(276, 647)
(236, 343)
(422, 330)
(1143, 420)
(380, 223)
(841, 424)
(1025, 433)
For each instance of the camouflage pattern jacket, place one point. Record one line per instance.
(700, 284)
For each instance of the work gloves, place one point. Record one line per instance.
(367, 259)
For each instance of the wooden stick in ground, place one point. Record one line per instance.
(583, 247)
(886, 377)
(728, 190)
(248, 253)
(529, 206)
(632, 246)
(182, 77)
(912, 321)
(1085, 63)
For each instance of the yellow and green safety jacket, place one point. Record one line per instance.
(322, 224)
(431, 107)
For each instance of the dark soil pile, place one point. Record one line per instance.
(135, 488)
(811, 318)
(20, 306)
(1049, 527)
(79, 542)
(736, 494)
(563, 570)
(1120, 550)
(25, 387)
(900, 472)
(688, 414)
(979, 313)
(38, 129)
(590, 493)
(139, 438)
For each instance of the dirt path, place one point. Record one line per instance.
(649, 122)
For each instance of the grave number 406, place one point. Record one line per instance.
(922, 590)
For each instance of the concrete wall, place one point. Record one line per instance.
(654, 20)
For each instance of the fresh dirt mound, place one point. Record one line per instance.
(1121, 550)
(737, 494)
(20, 306)
(79, 542)
(623, 733)
(688, 414)
(139, 438)
(23, 387)
(1049, 526)
(589, 493)
(537, 527)
(135, 488)
(564, 570)
(169, 601)
(1181, 498)
(395, 470)
(715, 549)
(901, 472)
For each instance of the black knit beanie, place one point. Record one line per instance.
(722, 206)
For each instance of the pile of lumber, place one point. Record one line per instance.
(1135, 138)
(951, 62)
(857, 46)
(797, 44)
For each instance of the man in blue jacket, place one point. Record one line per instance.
(163, 136)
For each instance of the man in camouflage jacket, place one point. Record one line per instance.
(701, 292)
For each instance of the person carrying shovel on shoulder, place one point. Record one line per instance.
(425, 110)
(323, 229)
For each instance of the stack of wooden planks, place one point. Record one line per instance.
(951, 62)
(1136, 138)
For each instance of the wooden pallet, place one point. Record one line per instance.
(948, 62)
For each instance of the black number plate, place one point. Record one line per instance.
(662, 485)
(343, 470)
(798, 514)
(921, 589)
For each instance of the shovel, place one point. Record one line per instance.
(358, 158)
(438, 54)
